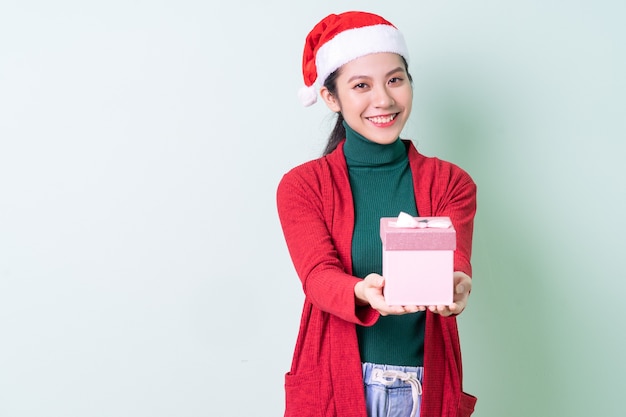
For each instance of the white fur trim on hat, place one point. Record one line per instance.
(355, 43)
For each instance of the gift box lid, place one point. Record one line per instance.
(423, 233)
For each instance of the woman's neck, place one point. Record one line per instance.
(360, 151)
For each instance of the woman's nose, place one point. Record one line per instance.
(382, 97)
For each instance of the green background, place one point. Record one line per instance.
(529, 97)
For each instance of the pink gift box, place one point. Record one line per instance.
(418, 261)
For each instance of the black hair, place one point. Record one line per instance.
(339, 131)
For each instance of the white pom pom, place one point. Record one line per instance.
(307, 95)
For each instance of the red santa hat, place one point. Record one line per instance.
(338, 39)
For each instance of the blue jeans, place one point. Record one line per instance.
(392, 391)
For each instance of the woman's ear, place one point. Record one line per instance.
(330, 99)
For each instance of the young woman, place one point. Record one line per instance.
(355, 355)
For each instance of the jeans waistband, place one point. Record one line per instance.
(392, 376)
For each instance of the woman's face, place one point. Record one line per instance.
(374, 95)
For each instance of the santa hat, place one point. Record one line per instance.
(338, 39)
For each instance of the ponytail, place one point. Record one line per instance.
(339, 131)
(337, 135)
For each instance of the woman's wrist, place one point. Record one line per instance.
(359, 296)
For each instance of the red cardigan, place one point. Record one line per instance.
(316, 212)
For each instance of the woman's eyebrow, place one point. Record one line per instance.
(393, 71)
(358, 77)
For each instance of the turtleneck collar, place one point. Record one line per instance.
(360, 151)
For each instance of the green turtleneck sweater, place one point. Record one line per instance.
(382, 186)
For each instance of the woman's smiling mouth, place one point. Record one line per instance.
(382, 120)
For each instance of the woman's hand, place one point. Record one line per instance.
(370, 291)
(462, 288)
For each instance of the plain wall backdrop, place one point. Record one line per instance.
(143, 271)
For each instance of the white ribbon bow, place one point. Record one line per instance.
(405, 220)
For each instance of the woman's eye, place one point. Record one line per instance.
(360, 85)
(395, 80)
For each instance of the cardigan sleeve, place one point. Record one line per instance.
(458, 201)
(326, 281)
(450, 191)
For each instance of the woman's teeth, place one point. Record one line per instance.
(382, 119)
